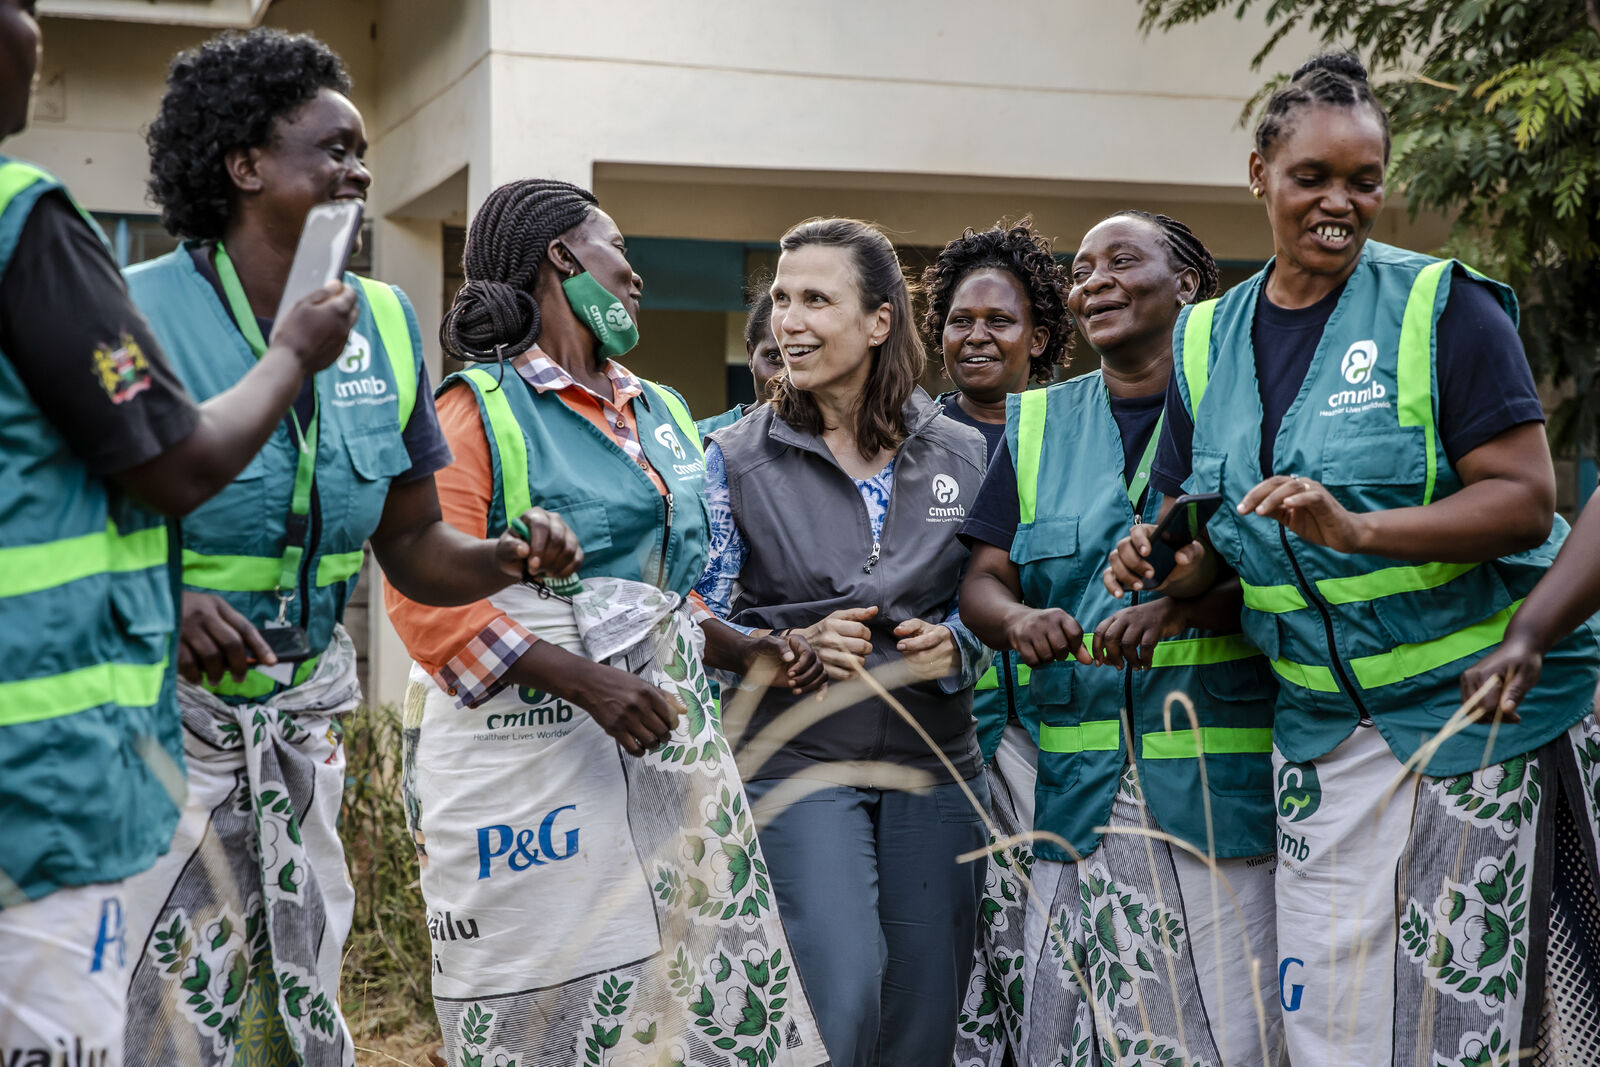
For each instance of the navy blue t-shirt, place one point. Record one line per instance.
(996, 512)
(1485, 385)
(994, 433)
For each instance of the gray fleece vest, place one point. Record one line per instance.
(811, 552)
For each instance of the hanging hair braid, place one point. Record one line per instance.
(1013, 247)
(1188, 252)
(1334, 79)
(495, 315)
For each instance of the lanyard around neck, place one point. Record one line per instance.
(1141, 474)
(297, 530)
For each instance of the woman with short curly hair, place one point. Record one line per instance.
(1135, 946)
(240, 926)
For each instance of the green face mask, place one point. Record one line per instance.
(603, 313)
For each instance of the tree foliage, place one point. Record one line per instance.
(1495, 106)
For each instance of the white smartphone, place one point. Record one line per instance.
(326, 242)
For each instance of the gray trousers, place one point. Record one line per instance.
(881, 918)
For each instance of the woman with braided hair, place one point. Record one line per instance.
(560, 742)
(1133, 949)
(1369, 418)
(254, 130)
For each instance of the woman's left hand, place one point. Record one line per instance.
(1309, 511)
(929, 648)
(551, 549)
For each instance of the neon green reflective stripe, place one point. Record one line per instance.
(1101, 735)
(30, 568)
(15, 177)
(256, 684)
(1306, 675)
(1195, 651)
(338, 566)
(1197, 351)
(1276, 599)
(1414, 373)
(1211, 740)
(231, 574)
(133, 685)
(1024, 674)
(990, 680)
(1199, 651)
(1030, 448)
(508, 442)
(1360, 588)
(1141, 473)
(680, 415)
(1408, 661)
(395, 334)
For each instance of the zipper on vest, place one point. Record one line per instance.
(872, 560)
(1127, 693)
(1327, 626)
(666, 539)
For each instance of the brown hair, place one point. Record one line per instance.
(897, 363)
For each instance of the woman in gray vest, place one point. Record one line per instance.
(834, 508)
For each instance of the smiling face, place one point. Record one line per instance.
(1323, 188)
(596, 245)
(825, 333)
(989, 335)
(766, 363)
(1126, 290)
(19, 63)
(315, 153)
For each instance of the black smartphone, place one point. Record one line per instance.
(1183, 524)
(326, 242)
(288, 642)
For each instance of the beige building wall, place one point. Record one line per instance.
(714, 119)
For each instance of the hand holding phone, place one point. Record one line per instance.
(327, 240)
(1183, 523)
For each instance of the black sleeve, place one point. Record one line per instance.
(425, 442)
(996, 512)
(1174, 460)
(1485, 384)
(81, 348)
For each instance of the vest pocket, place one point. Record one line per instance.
(1425, 614)
(1039, 542)
(377, 454)
(1386, 458)
(1050, 694)
(587, 519)
(1235, 687)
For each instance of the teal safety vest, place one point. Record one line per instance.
(1353, 636)
(706, 427)
(238, 545)
(1074, 507)
(1000, 695)
(548, 455)
(91, 752)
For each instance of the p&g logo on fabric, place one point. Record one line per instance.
(520, 849)
(666, 438)
(945, 490)
(617, 317)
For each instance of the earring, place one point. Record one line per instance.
(1255, 191)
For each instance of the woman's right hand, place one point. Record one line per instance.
(842, 641)
(635, 713)
(318, 325)
(215, 640)
(1129, 569)
(1044, 635)
(1515, 666)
